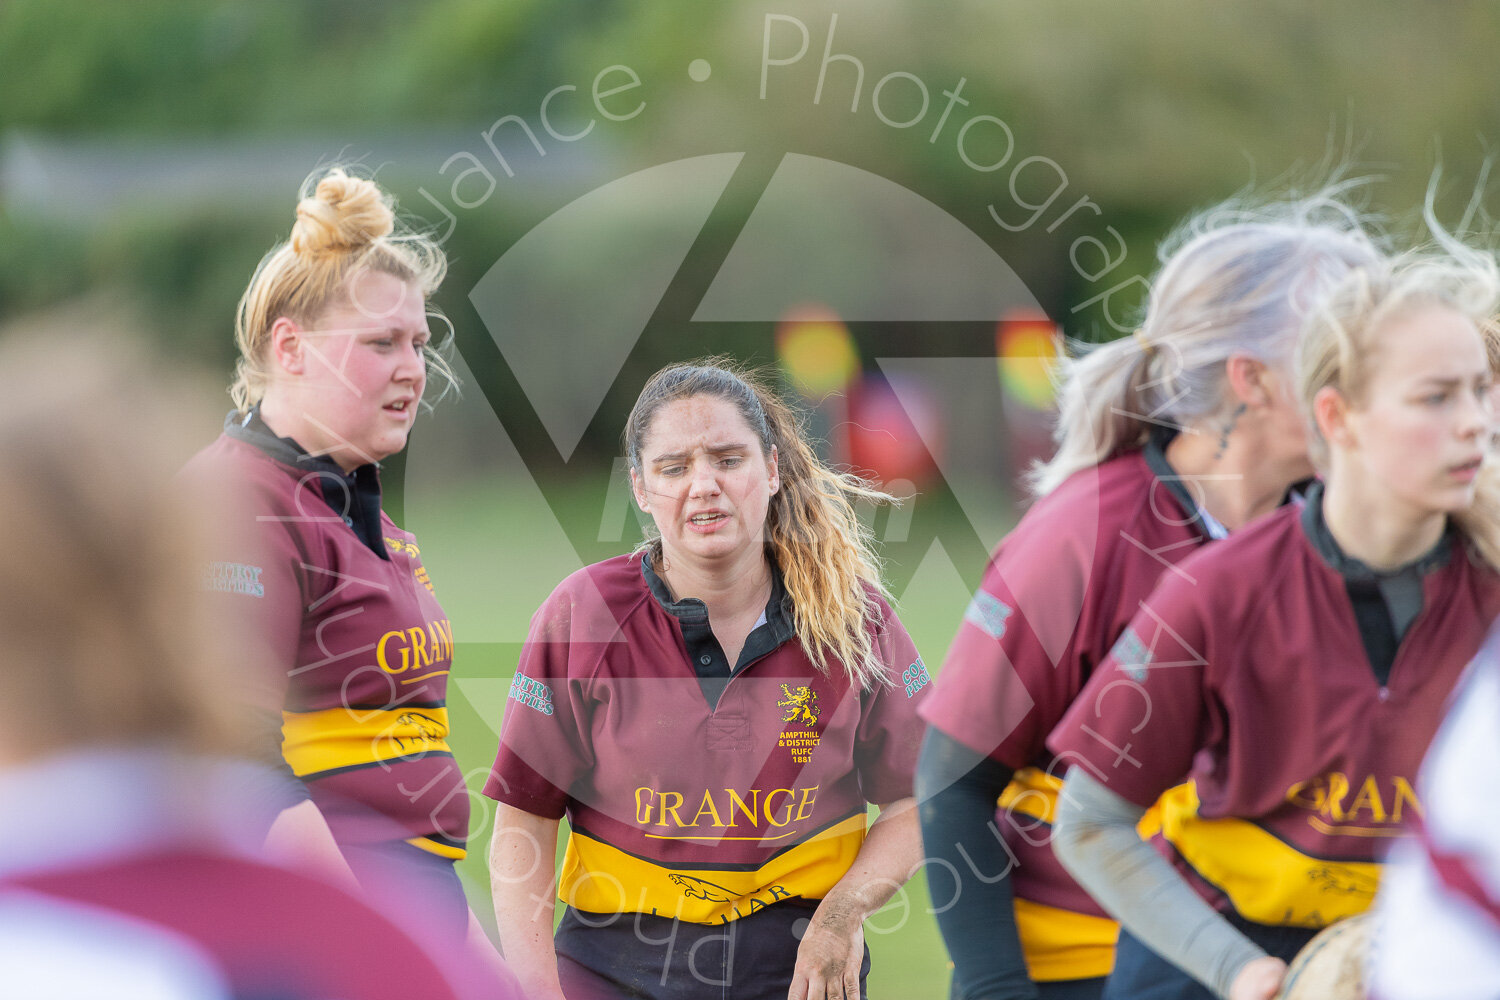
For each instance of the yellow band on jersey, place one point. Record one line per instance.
(1033, 792)
(313, 742)
(1058, 943)
(1061, 944)
(436, 847)
(599, 878)
(1266, 879)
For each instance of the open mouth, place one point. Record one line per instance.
(705, 520)
(400, 406)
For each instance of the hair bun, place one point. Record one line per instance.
(344, 213)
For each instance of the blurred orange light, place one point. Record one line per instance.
(1026, 349)
(816, 351)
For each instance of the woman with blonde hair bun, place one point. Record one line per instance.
(714, 713)
(1298, 671)
(336, 354)
(1167, 440)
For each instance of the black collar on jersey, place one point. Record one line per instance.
(709, 661)
(1350, 568)
(1155, 453)
(353, 496)
(1385, 602)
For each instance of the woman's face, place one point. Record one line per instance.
(705, 482)
(364, 371)
(1424, 422)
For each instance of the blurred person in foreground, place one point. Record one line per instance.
(133, 816)
(1441, 894)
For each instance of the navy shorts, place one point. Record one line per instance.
(1056, 989)
(1142, 974)
(645, 957)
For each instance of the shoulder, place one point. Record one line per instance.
(1261, 546)
(1241, 572)
(1093, 506)
(593, 602)
(252, 475)
(884, 619)
(1083, 530)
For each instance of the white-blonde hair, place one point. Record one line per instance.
(1235, 279)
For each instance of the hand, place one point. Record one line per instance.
(829, 958)
(1258, 979)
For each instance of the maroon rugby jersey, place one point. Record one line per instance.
(1058, 592)
(683, 810)
(1248, 673)
(366, 647)
(268, 931)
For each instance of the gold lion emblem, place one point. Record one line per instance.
(801, 704)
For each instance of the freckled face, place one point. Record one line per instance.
(705, 482)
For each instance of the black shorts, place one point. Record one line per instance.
(644, 957)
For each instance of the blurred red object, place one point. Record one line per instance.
(892, 430)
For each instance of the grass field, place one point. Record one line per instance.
(494, 552)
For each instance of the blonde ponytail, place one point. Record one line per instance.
(826, 555)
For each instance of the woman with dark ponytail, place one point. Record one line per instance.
(713, 713)
(1166, 440)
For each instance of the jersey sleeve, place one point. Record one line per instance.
(1143, 714)
(889, 737)
(1014, 665)
(546, 747)
(254, 578)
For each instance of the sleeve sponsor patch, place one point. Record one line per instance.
(989, 613)
(234, 578)
(531, 693)
(1131, 655)
(915, 677)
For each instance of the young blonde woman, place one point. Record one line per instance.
(1166, 440)
(1298, 671)
(713, 713)
(335, 353)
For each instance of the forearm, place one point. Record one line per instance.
(970, 882)
(1096, 840)
(890, 854)
(523, 857)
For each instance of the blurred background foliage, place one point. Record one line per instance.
(150, 151)
(1152, 108)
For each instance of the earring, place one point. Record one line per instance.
(1234, 418)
